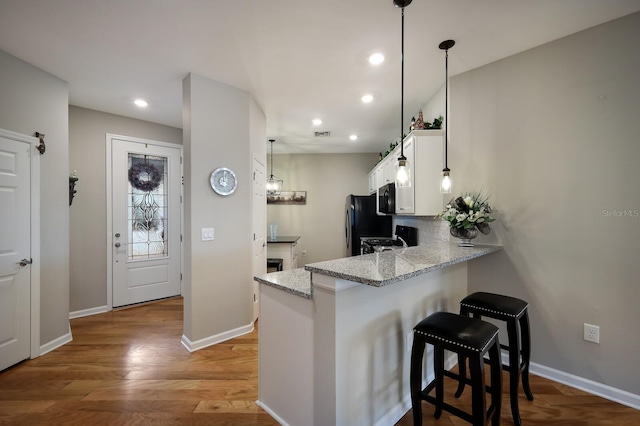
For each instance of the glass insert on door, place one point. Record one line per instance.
(147, 207)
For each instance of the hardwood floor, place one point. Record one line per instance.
(128, 367)
(554, 404)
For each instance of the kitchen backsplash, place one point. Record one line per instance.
(429, 228)
(437, 229)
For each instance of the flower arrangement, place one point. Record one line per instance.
(468, 213)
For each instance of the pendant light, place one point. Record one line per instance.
(274, 184)
(445, 185)
(403, 168)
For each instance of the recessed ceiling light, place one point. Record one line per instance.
(316, 122)
(353, 137)
(376, 59)
(141, 103)
(367, 98)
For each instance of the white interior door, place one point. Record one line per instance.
(259, 229)
(146, 195)
(15, 250)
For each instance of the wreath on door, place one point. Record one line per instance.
(144, 176)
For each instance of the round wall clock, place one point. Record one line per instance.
(223, 181)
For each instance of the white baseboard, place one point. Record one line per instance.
(605, 391)
(394, 415)
(218, 338)
(56, 343)
(272, 413)
(90, 311)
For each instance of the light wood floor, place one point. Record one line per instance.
(128, 367)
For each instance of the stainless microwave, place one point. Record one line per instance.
(387, 199)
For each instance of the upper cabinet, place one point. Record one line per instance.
(424, 150)
(374, 180)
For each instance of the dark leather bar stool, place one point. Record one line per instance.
(465, 336)
(514, 312)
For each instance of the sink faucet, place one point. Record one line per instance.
(404, 243)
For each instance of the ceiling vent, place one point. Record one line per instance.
(322, 134)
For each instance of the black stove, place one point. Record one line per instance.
(380, 244)
(377, 244)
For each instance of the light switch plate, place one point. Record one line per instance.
(207, 234)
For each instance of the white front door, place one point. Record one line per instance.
(259, 229)
(15, 250)
(146, 182)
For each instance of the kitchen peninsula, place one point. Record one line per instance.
(335, 337)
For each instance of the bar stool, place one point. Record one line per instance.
(470, 338)
(514, 312)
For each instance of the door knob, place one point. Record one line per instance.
(117, 244)
(118, 235)
(25, 262)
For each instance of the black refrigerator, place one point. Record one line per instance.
(361, 220)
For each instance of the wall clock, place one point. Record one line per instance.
(223, 181)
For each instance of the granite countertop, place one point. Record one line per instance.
(377, 269)
(294, 281)
(283, 239)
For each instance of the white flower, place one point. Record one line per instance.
(470, 210)
(468, 201)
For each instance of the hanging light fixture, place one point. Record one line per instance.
(445, 185)
(274, 184)
(403, 168)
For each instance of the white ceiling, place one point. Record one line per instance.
(299, 59)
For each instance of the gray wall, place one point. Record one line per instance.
(328, 179)
(32, 100)
(552, 134)
(221, 125)
(88, 233)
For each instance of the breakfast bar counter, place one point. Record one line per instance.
(336, 350)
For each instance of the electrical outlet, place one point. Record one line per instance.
(591, 333)
(304, 252)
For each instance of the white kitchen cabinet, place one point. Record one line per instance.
(380, 174)
(373, 179)
(424, 150)
(389, 167)
(405, 200)
(285, 248)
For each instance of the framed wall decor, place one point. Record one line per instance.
(288, 197)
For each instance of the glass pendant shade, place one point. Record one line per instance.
(403, 168)
(445, 185)
(403, 173)
(273, 186)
